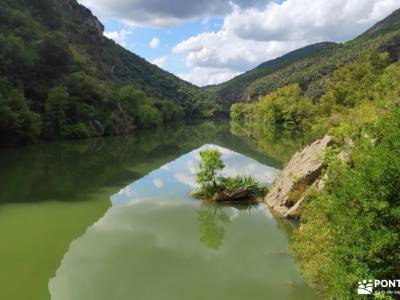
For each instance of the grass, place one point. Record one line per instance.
(230, 184)
(233, 183)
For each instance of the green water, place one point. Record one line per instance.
(113, 219)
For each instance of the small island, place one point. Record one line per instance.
(225, 190)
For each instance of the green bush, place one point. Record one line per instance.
(148, 116)
(77, 131)
(351, 230)
(171, 111)
(18, 124)
(233, 183)
(56, 111)
(287, 108)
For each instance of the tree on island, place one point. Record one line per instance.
(219, 188)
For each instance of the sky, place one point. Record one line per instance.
(211, 41)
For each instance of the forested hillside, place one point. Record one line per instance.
(312, 66)
(61, 78)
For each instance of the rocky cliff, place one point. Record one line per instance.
(303, 170)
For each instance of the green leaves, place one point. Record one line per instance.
(210, 163)
(148, 116)
(55, 110)
(211, 184)
(18, 124)
(353, 226)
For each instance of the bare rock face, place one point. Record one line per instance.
(303, 171)
(85, 20)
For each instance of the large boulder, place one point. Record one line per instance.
(303, 170)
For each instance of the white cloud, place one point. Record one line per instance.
(224, 49)
(215, 57)
(160, 62)
(158, 183)
(208, 76)
(335, 20)
(120, 37)
(154, 43)
(254, 35)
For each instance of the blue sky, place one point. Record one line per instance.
(210, 41)
(138, 40)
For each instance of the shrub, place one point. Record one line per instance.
(352, 229)
(233, 183)
(55, 110)
(18, 124)
(77, 131)
(148, 116)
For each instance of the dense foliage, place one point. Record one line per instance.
(61, 78)
(357, 93)
(350, 231)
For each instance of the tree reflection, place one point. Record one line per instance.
(211, 221)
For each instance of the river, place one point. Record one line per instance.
(112, 218)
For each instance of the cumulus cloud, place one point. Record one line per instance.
(208, 76)
(256, 34)
(224, 49)
(120, 37)
(335, 20)
(216, 57)
(160, 62)
(154, 43)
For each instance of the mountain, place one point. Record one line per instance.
(60, 77)
(311, 66)
(234, 90)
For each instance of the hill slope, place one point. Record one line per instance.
(234, 90)
(310, 66)
(56, 64)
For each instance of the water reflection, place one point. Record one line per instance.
(176, 179)
(212, 220)
(156, 242)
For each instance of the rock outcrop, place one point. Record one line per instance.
(303, 171)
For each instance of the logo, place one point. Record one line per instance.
(365, 287)
(379, 287)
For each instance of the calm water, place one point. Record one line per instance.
(113, 219)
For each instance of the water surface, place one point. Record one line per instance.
(113, 219)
